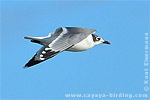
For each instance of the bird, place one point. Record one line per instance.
(73, 39)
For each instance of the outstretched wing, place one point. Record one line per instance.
(66, 37)
(41, 56)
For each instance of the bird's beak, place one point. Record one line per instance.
(106, 42)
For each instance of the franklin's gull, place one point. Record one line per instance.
(73, 39)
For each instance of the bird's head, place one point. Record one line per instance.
(98, 40)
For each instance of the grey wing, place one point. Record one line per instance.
(66, 37)
(69, 36)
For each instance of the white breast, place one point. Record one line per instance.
(85, 44)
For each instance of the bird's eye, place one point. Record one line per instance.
(98, 38)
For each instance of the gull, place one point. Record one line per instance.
(74, 39)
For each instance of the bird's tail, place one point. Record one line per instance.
(40, 40)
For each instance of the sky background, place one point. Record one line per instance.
(115, 68)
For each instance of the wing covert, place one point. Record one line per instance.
(69, 36)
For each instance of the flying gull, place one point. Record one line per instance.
(73, 39)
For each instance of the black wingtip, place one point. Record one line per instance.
(32, 62)
(25, 67)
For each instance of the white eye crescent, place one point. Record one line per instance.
(98, 38)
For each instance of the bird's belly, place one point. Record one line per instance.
(81, 46)
(77, 48)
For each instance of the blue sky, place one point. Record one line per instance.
(115, 68)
